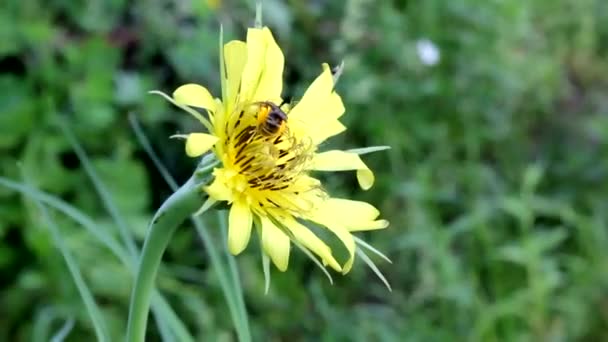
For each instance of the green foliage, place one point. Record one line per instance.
(494, 183)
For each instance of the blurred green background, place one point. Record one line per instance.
(494, 186)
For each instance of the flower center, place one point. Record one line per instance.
(261, 147)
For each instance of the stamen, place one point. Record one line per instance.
(250, 130)
(267, 177)
(246, 168)
(238, 120)
(248, 161)
(239, 159)
(270, 159)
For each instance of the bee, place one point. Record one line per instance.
(272, 120)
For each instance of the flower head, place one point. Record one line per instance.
(268, 149)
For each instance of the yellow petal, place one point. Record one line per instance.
(219, 189)
(194, 95)
(316, 115)
(319, 103)
(262, 78)
(337, 215)
(199, 143)
(240, 220)
(271, 81)
(275, 243)
(348, 210)
(347, 240)
(333, 108)
(235, 57)
(326, 130)
(255, 63)
(316, 95)
(341, 161)
(309, 240)
(377, 224)
(353, 215)
(317, 132)
(192, 112)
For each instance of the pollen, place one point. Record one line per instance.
(269, 162)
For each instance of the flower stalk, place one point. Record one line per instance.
(178, 207)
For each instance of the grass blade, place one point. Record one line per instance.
(315, 260)
(145, 144)
(374, 268)
(75, 214)
(100, 188)
(163, 312)
(99, 324)
(166, 314)
(366, 150)
(161, 308)
(41, 324)
(220, 271)
(65, 330)
(372, 249)
(236, 280)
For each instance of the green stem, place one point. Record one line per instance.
(178, 207)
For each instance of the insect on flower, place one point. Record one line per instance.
(271, 119)
(268, 151)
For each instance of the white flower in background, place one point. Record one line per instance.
(428, 52)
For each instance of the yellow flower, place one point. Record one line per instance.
(267, 151)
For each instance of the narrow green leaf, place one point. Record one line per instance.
(371, 248)
(222, 65)
(366, 150)
(145, 144)
(123, 230)
(236, 282)
(159, 303)
(266, 269)
(220, 271)
(315, 260)
(374, 268)
(65, 330)
(100, 188)
(99, 324)
(191, 111)
(58, 204)
(258, 14)
(41, 324)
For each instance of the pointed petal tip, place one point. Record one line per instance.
(382, 224)
(276, 244)
(281, 267)
(236, 250)
(333, 264)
